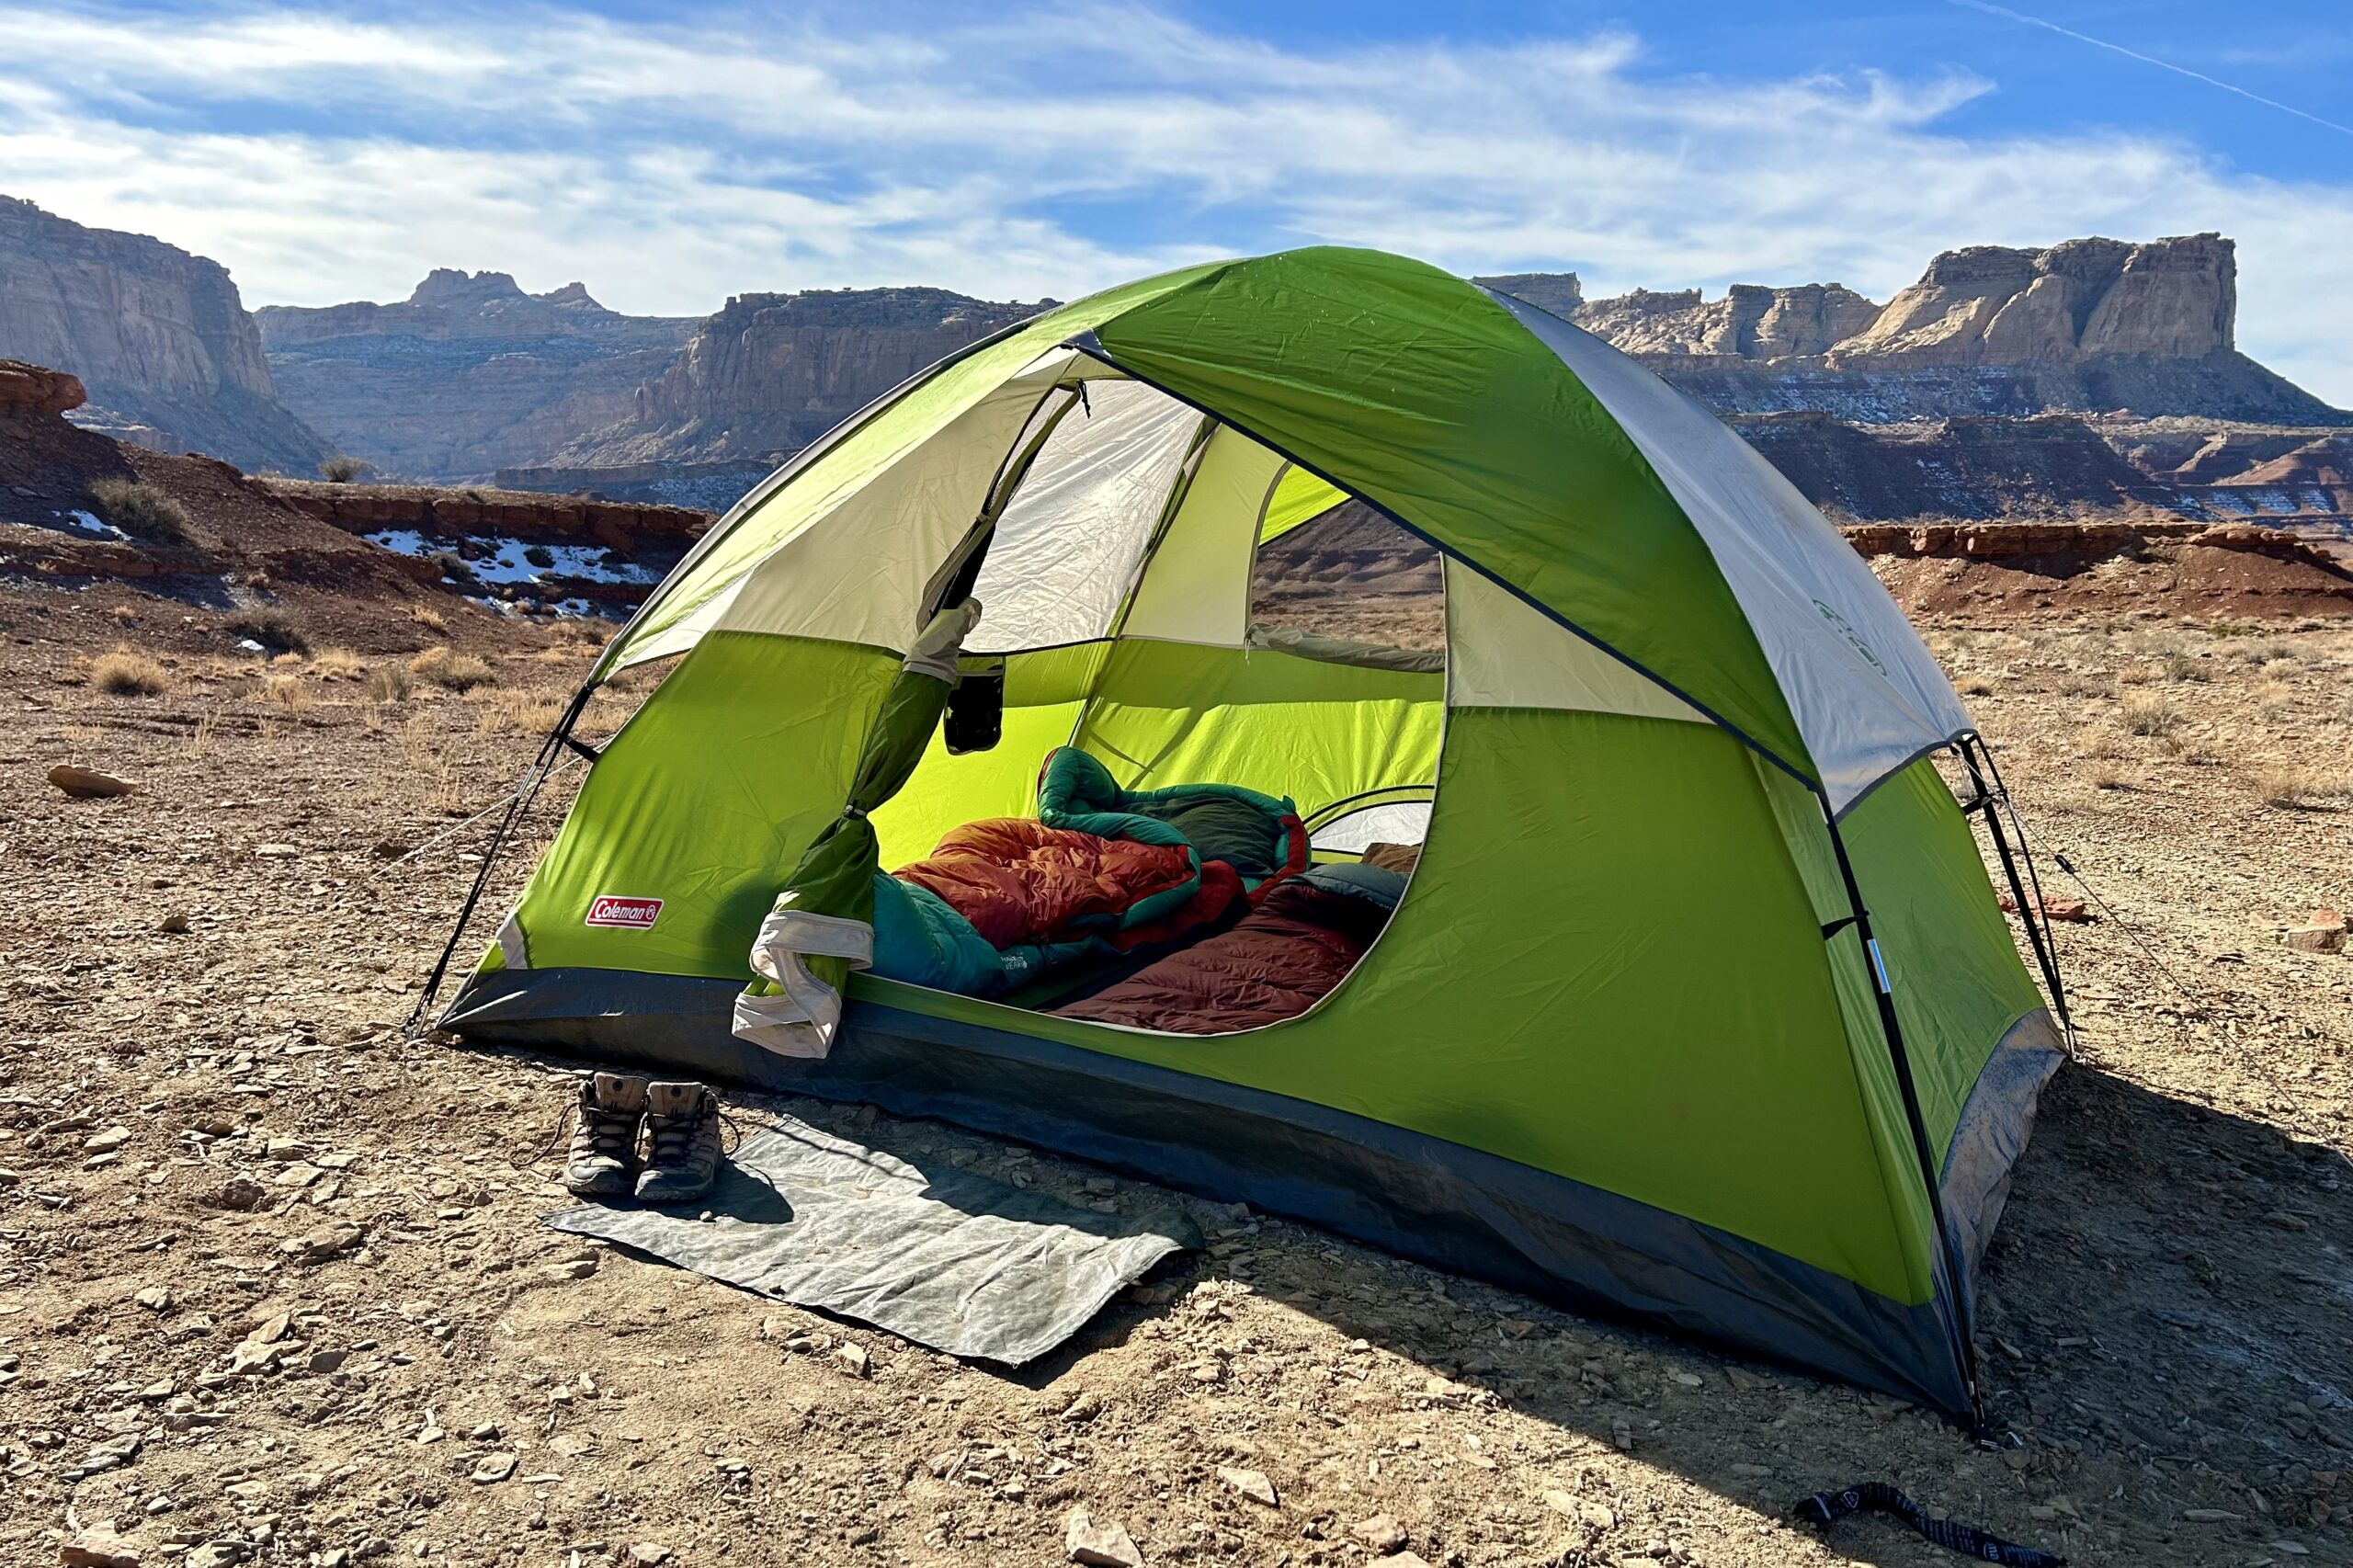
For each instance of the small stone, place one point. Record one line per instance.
(1382, 1534)
(154, 1298)
(485, 1431)
(326, 1361)
(173, 925)
(493, 1469)
(97, 1548)
(1251, 1483)
(1099, 1544)
(112, 1138)
(271, 1329)
(1752, 1471)
(275, 851)
(2315, 938)
(1209, 1371)
(252, 1358)
(577, 1268)
(319, 1246)
(1401, 1560)
(647, 1553)
(1085, 1407)
(2209, 1516)
(853, 1360)
(241, 1193)
(88, 783)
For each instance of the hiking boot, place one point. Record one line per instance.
(682, 1132)
(603, 1162)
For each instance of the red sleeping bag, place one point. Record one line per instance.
(1019, 881)
(1279, 962)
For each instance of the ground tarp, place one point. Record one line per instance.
(943, 1257)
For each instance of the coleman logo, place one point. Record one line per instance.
(627, 914)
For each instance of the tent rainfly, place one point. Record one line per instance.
(1698, 1006)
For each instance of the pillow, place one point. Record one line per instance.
(1376, 885)
(1401, 858)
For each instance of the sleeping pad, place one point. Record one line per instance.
(1003, 901)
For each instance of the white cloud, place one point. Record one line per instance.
(668, 165)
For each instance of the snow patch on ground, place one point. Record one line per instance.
(81, 522)
(499, 559)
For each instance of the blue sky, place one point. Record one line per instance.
(670, 155)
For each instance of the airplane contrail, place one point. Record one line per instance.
(1990, 9)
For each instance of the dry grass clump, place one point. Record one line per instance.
(127, 673)
(289, 692)
(2180, 663)
(2292, 786)
(342, 468)
(428, 618)
(445, 666)
(519, 714)
(2151, 713)
(2101, 742)
(339, 664)
(388, 683)
(140, 510)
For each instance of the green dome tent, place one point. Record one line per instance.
(1698, 1006)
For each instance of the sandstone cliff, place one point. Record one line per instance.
(771, 372)
(2092, 325)
(469, 374)
(158, 336)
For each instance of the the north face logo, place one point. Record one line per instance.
(626, 913)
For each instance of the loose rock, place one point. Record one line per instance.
(97, 1548)
(1099, 1544)
(1251, 1483)
(1382, 1534)
(88, 783)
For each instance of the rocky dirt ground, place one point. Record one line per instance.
(273, 1287)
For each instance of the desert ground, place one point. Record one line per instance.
(274, 1287)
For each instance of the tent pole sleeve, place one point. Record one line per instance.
(1963, 1342)
(518, 803)
(2038, 931)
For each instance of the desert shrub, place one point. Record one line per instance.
(388, 683)
(140, 510)
(277, 631)
(452, 565)
(447, 668)
(541, 556)
(125, 672)
(339, 664)
(342, 468)
(428, 618)
(2151, 713)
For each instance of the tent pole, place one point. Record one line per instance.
(2046, 950)
(518, 803)
(1963, 1340)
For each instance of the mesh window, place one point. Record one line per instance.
(1353, 575)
